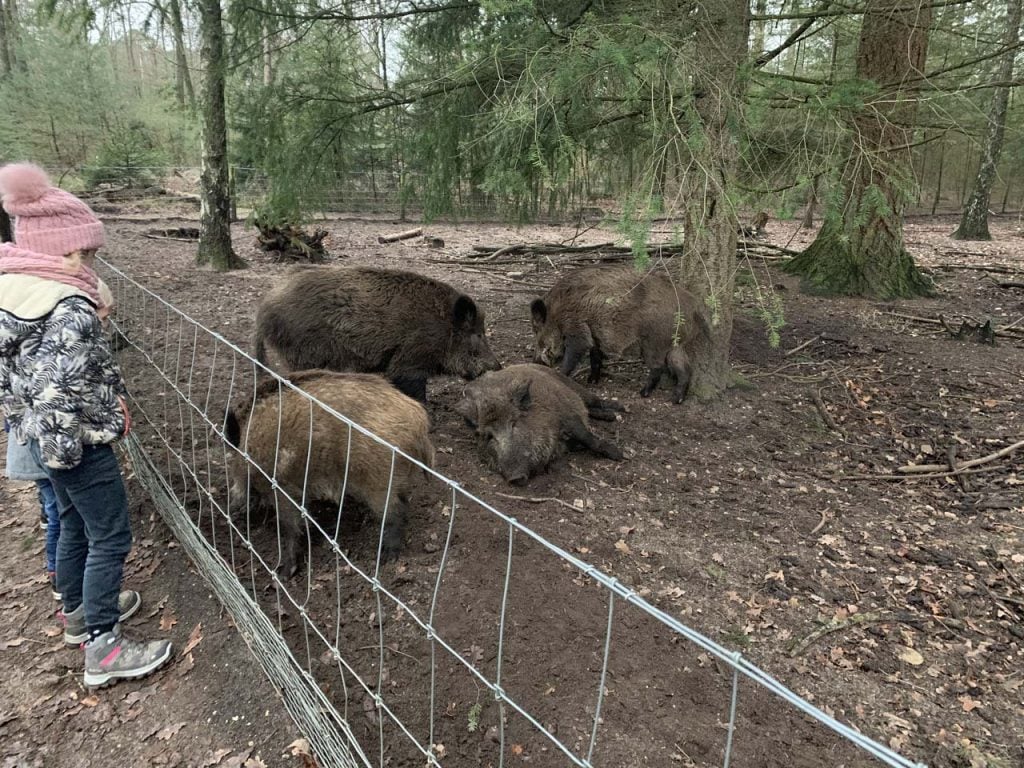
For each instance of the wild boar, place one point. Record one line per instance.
(274, 429)
(526, 415)
(405, 326)
(604, 311)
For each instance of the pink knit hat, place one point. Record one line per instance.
(49, 220)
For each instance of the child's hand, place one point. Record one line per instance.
(127, 414)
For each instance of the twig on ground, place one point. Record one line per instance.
(820, 525)
(796, 349)
(929, 468)
(836, 625)
(922, 476)
(823, 412)
(538, 500)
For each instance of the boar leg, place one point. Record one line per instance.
(394, 524)
(596, 359)
(576, 346)
(679, 364)
(412, 384)
(291, 534)
(578, 432)
(652, 381)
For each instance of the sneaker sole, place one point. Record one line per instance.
(101, 679)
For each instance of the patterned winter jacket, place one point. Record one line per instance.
(59, 383)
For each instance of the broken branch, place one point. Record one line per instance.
(408, 234)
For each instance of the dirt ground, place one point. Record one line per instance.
(770, 520)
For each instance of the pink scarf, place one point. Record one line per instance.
(18, 261)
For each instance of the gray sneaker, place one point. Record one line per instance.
(112, 657)
(75, 631)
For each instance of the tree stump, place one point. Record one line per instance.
(292, 243)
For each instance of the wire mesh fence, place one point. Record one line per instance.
(483, 644)
(377, 192)
(175, 190)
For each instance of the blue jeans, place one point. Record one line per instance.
(48, 501)
(95, 536)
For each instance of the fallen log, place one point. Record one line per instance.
(407, 235)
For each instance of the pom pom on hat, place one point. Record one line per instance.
(48, 220)
(22, 183)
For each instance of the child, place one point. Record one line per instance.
(64, 397)
(21, 466)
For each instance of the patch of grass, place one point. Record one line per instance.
(735, 637)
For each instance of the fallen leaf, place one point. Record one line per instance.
(169, 731)
(11, 643)
(159, 607)
(194, 639)
(623, 547)
(186, 666)
(53, 631)
(625, 530)
(167, 620)
(236, 761)
(254, 762)
(300, 747)
(517, 749)
(215, 758)
(910, 656)
(968, 703)
(91, 701)
(141, 695)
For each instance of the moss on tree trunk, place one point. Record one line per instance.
(859, 250)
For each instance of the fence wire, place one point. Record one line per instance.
(486, 644)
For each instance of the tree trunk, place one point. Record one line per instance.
(859, 249)
(182, 75)
(938, 181)
(974, 221)
(215, 226)
(708, 266)
(6, 65)
(812, 203)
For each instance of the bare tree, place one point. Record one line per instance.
(974, 221)
(215, 228)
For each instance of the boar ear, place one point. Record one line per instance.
(539, 312)
(521, 396)
(464, 312)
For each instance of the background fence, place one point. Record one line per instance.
(486, 645)
(381, 192)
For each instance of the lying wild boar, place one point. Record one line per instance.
(603, 311)
(400, 324)
(525, 415)
(254, 426)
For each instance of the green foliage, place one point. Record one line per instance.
(473, 724)
(69, 107)
(127, 156)
(771, 312)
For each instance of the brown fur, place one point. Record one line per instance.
(405, 326)
(604, 311)
(526, 415)
(254, 425)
